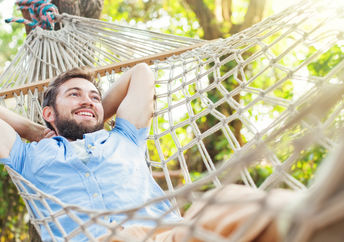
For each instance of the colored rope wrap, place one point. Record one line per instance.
(42, 13)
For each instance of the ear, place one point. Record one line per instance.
(49, 114)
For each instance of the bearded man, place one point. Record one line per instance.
(78, 161)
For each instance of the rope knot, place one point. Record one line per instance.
(42, 13)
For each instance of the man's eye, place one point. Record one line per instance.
(74, 94)
(96, 98)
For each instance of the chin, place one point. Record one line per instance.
(91, 126)
(88, 123)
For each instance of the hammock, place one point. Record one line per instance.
(207, 91)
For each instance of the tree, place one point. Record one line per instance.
(217, 22)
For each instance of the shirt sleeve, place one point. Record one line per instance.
(138, 136)
(17, 155)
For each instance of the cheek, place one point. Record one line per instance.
(100, 110)
(64, 106)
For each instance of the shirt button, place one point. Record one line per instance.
(95, 195)
(87, 174)
(91, 146)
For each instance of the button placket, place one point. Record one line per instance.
(91, 149)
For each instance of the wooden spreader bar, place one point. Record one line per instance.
(24, 89)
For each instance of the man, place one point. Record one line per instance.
(84, 164)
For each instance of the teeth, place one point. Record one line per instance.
(85, 114)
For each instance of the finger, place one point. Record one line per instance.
(50, 134)
(46, 131)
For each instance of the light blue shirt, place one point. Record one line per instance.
(116, 175)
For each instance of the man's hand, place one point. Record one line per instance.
(24, 127)
(48, 133)
(43, 133)
(36, 132)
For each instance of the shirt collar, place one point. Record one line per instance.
(91, 139)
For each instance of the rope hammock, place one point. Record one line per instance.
(205, 91)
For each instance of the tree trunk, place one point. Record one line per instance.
(206, 19)
(84, 8)
(254, 14)
(211, 22)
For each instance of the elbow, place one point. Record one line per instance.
(145, 71)
(146, 78)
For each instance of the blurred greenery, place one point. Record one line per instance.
(11, 39)
(13, 215)
(178, 17)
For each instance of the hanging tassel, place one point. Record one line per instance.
(42, 13)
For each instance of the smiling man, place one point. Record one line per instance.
(79, 110)
(84, 164)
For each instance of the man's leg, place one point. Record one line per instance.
(236, 211)
(226, 211)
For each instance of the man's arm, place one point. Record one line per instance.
(7, 138)
(23, 126)
(132, 96)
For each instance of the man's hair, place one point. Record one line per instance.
(51, 92)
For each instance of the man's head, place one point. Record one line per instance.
(72, 104)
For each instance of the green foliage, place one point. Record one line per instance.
(260, 172)
(326, 61)
(305, 168)
(165, 16)
(13, 225)
(13, 222)
(239, 10)
(11, 38)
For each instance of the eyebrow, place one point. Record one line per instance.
(79, 89)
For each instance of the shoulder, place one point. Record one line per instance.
(24, 154)
(127, 129)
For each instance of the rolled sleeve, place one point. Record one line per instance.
(17, 155)
(138, 136)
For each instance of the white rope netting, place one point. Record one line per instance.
(83, 42)
(262, 97)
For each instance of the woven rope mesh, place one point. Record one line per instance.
(83, 42)
(223, 112)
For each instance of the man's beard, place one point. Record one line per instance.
(70, 129)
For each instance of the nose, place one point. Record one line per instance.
(86, 101)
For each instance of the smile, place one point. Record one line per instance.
(85, 114)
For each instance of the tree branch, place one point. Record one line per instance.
(254, 14)
(67, 6)
(206, 19)
(227, 10)
(91, 8)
